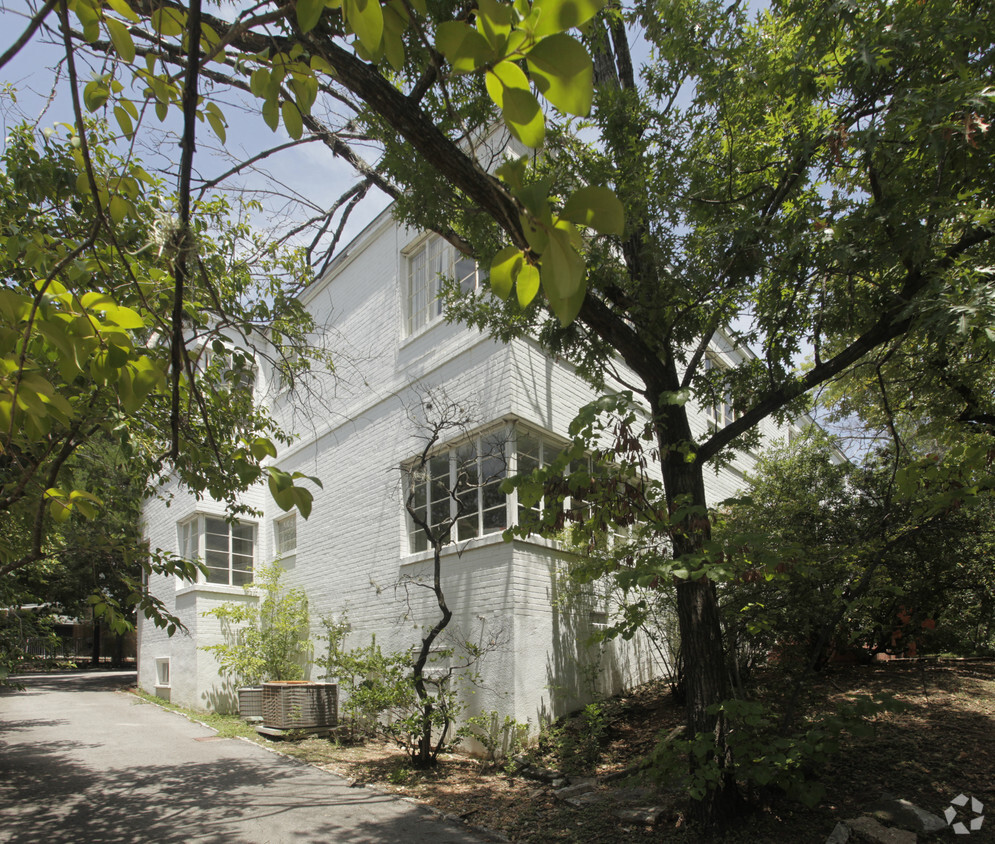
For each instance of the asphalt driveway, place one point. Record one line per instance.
(82, 762)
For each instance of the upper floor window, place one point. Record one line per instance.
(721, 412)
(228, 550)
(431, 262)
(285, 535)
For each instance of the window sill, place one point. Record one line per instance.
(484, 542)
(408, 339)
(215, 589)
(454, 548)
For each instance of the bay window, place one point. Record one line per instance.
(226, 549)
(459, 487)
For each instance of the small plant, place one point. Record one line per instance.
(264, 641)
(500, 738)
(399, 775)
(380, 697)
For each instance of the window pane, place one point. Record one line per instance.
(440, 511)
(417, 291)
(217, 575)
(438, 469)
(467, 528)
(492, 496)
(215, 525)
(241, 578)
(438, 254)
(286, 534)
(243, 531)
(492, 468)
(217, 558)
(496, 519)
(466, 274)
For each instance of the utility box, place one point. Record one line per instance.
(299, 704)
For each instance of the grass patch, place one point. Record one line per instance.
(226, 726)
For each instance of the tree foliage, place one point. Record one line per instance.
(84, 317)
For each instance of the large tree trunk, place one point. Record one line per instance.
(702, 652)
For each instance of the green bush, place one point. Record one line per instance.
(378, 694)
(265, 641)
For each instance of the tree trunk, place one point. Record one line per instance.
(702, 652)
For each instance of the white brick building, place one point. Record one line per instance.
(378, 297)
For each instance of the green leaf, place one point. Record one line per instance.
(303, 499)
(262, 447)
(124, 121)
(281, 487)
(597, 208)
(505, 267)
(309, 13)
(365, 17)
(121, 38)
(562, 275)
(536, 233)
(494, 22)
(292, 119)
(563, 72)
(509, 88)
(560, 15)
(95, 94)
(123, 9)
(119, 208)
(169, 21)
(305, 88)
(217, 120)
(527, 284)
(465, 48)
(124, 317)
(259, 82)
(271, 114)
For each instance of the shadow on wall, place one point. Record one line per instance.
(222, 698)
(579, 668)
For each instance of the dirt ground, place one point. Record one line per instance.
(942, 744)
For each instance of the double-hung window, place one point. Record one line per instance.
(285, 535)
(226, 549)
(428, 265)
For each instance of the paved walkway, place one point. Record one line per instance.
(81, 762)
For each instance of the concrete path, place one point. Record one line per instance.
(81, 762)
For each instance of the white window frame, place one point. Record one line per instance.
(280, 526)
(448, 463)
(473, 455)
(162, 672)
(426, 266)
(193, 544)
(721, 413)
